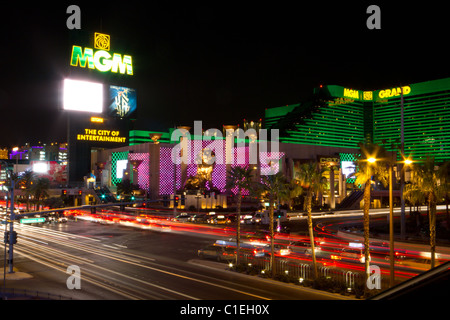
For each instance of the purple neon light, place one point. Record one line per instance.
(166, 168)
(219, 173)
(240, 154)
(270, 162)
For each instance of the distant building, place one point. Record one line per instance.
(4, 153)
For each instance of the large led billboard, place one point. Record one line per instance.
(82, 96)
(122, 102)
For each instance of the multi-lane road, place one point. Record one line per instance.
(118, 262)
(127, 258)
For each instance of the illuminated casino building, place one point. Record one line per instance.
(342, 117)
(325, 128)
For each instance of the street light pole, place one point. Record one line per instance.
(391, 229)
(402, 171)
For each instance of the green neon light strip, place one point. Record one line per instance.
(115, 156)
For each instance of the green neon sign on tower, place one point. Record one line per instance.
(101, 59)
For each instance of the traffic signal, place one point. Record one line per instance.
(165, 201)
(10, 236)
(80, 192)
(64, 192)
(133, 198)
(176, 201)
(14, 237)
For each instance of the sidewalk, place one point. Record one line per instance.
(20, 286)
(220, 266)
(17, 275)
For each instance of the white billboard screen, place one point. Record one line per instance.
(40, 167)
(121, 167)
(83, 96)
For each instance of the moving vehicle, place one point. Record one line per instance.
(200, 217)
(264, 216)
(352, 253)
(246, 218)
(219, 219)
(280, 249)
(183, 217)
(217, 252)
(304, 247)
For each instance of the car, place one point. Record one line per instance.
(183, 217)
(257, 218)
(350, 254)
(246, 218)
(201, 217)
(217, 252)
(281, 250)
(219, 219)
(301, 247)
(278, 249)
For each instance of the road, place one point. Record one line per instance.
(118, 263)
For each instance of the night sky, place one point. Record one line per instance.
(219, 63)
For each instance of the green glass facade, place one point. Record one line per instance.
(426, 121)
(343, 117)
(116, 156)
(333, 120)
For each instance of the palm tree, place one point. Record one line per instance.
(270, 187)
(239, 177)
(126, 188)
(26, 184)
(312, 179)
(40, 190)
(293, 191)
(371, 163)
(429, 180)
(414, 195)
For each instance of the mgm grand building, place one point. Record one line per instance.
(325, 128)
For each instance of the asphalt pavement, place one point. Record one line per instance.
(122, 263)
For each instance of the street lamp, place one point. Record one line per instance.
(408, 161)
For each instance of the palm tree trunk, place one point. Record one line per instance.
(366, 227)
(432, 220)
(238, 227)
(311, 232)
(272, 256)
